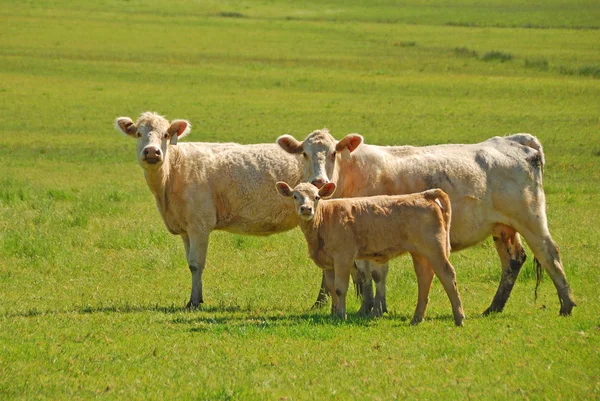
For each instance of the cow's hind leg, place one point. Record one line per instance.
(546, 251)
(512, 256)
(447, 276)
(424, 279)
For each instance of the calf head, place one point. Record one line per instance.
(153, 134)
(320, 150)
(306, 197)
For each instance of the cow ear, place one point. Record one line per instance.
(283, 189)
(327, 190)
(350, 142)
(179, 129)
(289, 144)
(126, 126)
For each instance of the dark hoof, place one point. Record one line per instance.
(192, 306)
(491, 310)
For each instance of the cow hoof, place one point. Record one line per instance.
(191, 306)
(415, 321)
(490, 310)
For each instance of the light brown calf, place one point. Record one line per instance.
(377, 228)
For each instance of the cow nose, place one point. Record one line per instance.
(152, 153)
(319, 182)
(305, 209)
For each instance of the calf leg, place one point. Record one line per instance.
(329, 278)
(360, 283)
(364, 269)
(424, 279)
(379, 274)
(196, 248)
(447, 276)
(342, 270)
(512, 256)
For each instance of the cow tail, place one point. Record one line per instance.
(441, 199)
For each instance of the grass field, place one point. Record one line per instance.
(92, 286)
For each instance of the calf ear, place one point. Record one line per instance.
(327, 190)
(289, 144)
(283, 189)
(126, 126)
(178, 129)
(350, 142)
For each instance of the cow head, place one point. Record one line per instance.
(306, 197)
(153, 134)
(320, 151)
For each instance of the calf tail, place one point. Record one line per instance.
(441, 199)
(531, 141)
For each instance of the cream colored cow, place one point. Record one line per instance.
(201, 187)
(377, 228)
(495, 187)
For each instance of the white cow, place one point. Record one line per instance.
(495, 187)
(377, 228)
(200, 187)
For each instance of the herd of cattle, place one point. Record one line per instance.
(390, 200)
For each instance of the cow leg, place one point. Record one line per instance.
(329, 278)
(364, 269)
(447, 276)
(512, 256)
(196, 249)
(546, 251)
(424, 279)
(379, 274)
(342, 270)
(323, 294)
(360, 283)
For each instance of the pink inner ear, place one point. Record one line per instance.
(181, 128)
(353, 143)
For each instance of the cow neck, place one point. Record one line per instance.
(311, 229)
(349, 174)
(159, 179)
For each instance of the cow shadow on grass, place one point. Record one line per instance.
(227, 317)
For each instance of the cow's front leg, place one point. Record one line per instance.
(329, 279)
(342, 270)
(196, 246)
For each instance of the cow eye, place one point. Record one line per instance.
(333, 155)
(305, 155)
(139, 134)
(295, 197)
(317, 198)
(166, 136)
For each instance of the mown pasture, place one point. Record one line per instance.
(92, 286)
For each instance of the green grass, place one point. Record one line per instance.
(92, 286)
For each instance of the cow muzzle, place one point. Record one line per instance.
(319, 182)
(306, 212)
(152, 155)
